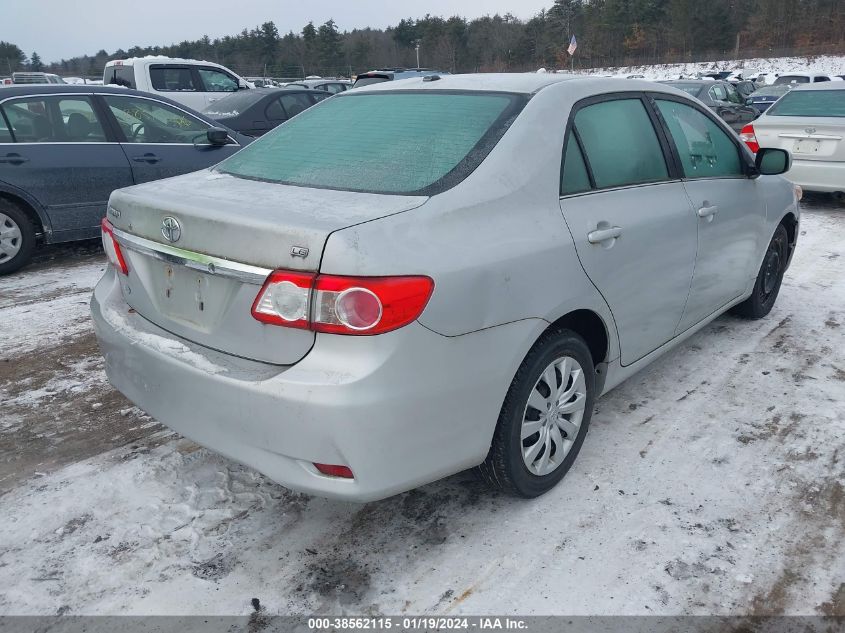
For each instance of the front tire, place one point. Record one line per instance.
(767, 286)
(544, 418)
(17, 237)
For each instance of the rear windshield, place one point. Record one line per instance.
(814, 103)
(372, 79)
(792, 79)
(771, 91)
(417, 143)
(691, 89)
(235, 103)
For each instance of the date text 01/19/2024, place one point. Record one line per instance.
(420, 623)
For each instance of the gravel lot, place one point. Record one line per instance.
(711, 482)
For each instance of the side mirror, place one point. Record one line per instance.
(242, 86)
(771, 161)
(217, 136)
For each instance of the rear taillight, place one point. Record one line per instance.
(112, 248)
(341, 305)
(748, 137)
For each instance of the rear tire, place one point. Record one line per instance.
(767, 286)
(541, 428)
(17, 237)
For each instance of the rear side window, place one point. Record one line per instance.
(54, 120)
(295, 103)
(402, 142)
(820, 103)
(172, 79)
(120, 76)
(620, 143)
(574, 178)
(705, 149)
(274, 111)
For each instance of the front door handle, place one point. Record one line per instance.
(14, 159)
(708, 212)
(602, 235)
(149, 157)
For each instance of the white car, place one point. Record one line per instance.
(801, 78)
(809, 122)
(190, 82)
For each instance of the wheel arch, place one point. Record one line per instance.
(790, 223)
(590, 326)
(33, 210)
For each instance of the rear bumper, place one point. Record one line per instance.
(818, 175)
(400, 409)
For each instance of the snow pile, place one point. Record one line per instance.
(824, 64)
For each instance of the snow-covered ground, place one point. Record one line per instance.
(712, 482)
(830, 65)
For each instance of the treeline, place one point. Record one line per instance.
(609, 32)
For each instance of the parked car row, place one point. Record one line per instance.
(722, 97)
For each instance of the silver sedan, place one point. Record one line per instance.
(420, 277)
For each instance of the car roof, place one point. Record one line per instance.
(695, 82)
(519, 83)
(44, 89)
(526, 83)
(822, 85)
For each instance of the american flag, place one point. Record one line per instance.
(572, 46)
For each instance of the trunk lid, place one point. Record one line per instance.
(806, 138)
(232, 232)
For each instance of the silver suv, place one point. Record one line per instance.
(411, 279)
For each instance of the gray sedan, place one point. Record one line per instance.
(64, 149)
(436, 274)
(722, 97)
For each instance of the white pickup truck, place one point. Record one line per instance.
(188, 81)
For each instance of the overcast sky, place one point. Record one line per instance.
(61, 29)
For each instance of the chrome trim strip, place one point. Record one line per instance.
(811, 137)
(196, 261)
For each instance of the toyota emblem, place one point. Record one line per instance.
(170, 229)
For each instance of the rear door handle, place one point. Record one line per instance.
(14, 159)
(707, 212)
(602, 235)
(146, 158)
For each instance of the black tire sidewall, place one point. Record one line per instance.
(565, 343)
(27, 238)
(761, 307)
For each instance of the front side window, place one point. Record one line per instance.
(620, 143)
(733, 95)
(217, 80)
(705, 149)
(148, 121)
(388, 142)
(810, 103)
(172, 79)
(54, 120)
